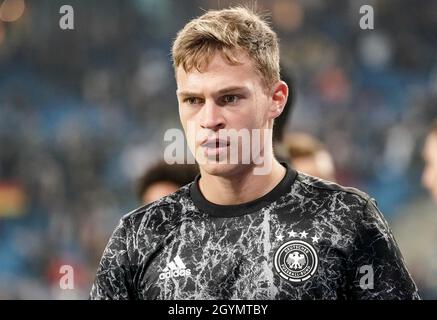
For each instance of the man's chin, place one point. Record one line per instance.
(222, 169)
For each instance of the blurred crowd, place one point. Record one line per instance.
(83, 114)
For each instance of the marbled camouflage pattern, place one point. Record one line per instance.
(233, 258)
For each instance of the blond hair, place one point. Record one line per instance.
(227, 31)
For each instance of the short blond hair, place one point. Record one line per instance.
(227, 31)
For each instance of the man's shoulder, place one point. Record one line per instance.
(345, 207)
(316, 187)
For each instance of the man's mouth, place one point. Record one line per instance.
(215, 146)
(215, 143)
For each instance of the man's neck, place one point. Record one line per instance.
(240, 188)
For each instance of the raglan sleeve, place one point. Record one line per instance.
(113, 280)
(376, 267)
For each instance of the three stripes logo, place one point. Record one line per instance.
(175, 269)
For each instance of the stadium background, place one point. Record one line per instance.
(83, 113)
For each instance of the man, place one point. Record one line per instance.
(429, 176)
(162, 179)
(255, 230)
(308, 155)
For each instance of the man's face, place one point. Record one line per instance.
(429, 177)
(224, 96)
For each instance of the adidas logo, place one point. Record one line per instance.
(175, 269)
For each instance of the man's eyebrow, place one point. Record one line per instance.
(221, 91)
(231, 89)
(187, 93)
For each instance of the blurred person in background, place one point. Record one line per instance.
(163, 179)
(429, 176)
(308, 155)
(416, 225)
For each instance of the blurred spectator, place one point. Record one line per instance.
(429, 176)
(162, 179)
(308, 155)
(416, 226)
(415, 230)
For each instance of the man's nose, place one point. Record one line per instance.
(212, 117)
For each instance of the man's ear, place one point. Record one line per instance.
(279, 99)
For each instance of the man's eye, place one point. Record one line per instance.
(230, 99)
(193, 100)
